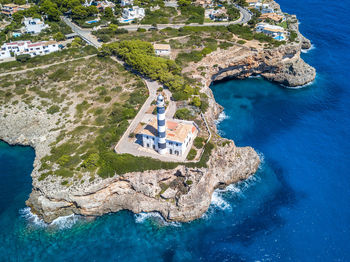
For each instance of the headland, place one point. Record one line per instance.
(71, 116)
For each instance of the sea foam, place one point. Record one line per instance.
(221, 117)
(154, 217)
(305, 51)
(59, 223)
(219, 198)
(31, 218)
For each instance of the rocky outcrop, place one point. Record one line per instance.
(181, 194)
(305, 43)
(282, 65)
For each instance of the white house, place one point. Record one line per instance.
(277, 32)
(263, 8)
(34, 25)
(126, 2)
(130, 14)
(162, 49)
(27, 47)
(102, 5)
(218, 14)
(252, 2)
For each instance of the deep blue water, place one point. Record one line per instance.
(296, 208)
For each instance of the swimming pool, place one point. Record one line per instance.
(92, 21)
(279, 37)
(14, 34)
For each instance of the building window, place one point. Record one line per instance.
(170, 151)
(154, 147)
(147, 145)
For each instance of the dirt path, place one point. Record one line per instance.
(44, 66)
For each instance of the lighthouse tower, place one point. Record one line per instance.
(161, 125)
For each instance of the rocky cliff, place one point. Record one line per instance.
(282, 65)
(180, 194)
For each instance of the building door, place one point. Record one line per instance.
(171, 151)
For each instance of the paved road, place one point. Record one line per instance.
(85, 34)
(245, 16)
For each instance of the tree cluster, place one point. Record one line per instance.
(140, 55)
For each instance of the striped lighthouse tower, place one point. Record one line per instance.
(161, 125)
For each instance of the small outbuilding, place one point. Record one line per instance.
(162, 49)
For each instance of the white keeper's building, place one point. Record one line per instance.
(171, 136)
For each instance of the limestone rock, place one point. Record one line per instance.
(169, 193)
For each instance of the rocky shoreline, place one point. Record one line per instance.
(282, 65)
(181, 194)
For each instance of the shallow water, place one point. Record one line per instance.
(296, 208)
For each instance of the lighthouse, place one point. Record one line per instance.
(161, 125)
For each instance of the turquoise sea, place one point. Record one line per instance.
(296, 208)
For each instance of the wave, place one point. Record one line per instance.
(66, 221)
(221, 118)
(142, 217)
(262, 159)
(31, 218)
(237, 190)
(218, 201)
(305, 51)
(59, 223)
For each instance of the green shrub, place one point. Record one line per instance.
(91, 162)
(204, 105)
(198, 142)
(183, 113)
(20, 90)
(293, 35)
(53, 109)
(61, 74)
(205, 157)
(120, 31)
(22, 58)
(64, 172)
(82, 107)
(192, 154)
(63, 160)
(189, 182)
(194, 56)
(107, 99)
(225, 45)
(242, 31)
